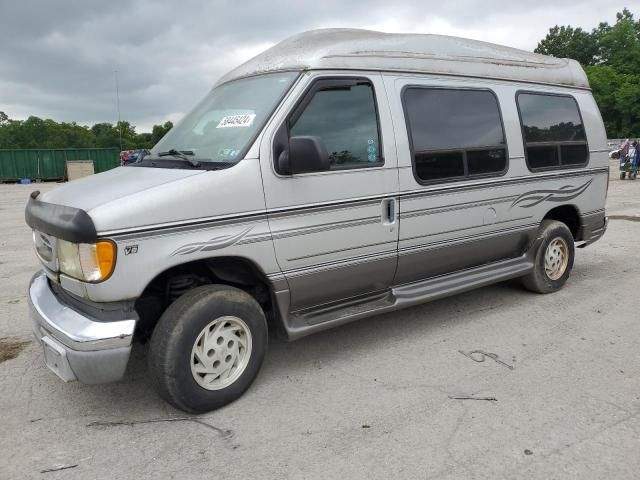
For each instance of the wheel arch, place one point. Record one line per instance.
(568, 214)
(236, 271)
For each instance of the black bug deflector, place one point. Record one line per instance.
(68, 223)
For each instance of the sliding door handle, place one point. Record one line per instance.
(389, 210)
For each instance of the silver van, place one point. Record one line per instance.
(339, 174)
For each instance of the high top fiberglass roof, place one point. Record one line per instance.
(350, 49)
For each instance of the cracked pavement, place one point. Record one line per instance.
(367, 400)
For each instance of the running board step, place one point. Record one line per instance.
(463, 281)
(300, 324)
(347, 308)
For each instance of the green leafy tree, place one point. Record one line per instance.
(128, 133)
(605, 83)
(144, 140)
(620, 44)
(160, 131)
(611, 57)
(9, 132)
(106, 135)
(568, 42)
(73, 135)
(34, 132)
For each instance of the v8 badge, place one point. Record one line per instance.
(131, 249)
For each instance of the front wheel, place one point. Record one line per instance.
(622, 175)
(207, 348)
(553, 259)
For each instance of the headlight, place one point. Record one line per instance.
(90, 262)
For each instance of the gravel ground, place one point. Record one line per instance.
(369, 400)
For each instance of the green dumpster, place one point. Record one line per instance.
(49, 163)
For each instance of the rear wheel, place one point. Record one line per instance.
(553, 259)
(633, 175)
(207, 348)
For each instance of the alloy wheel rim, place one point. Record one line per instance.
(221, 353)
(556, 258)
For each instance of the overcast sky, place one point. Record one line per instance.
(58, 57)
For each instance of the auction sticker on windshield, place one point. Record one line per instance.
(237, 121)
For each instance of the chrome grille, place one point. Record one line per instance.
(45, 246)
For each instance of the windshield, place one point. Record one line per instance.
(220, 128)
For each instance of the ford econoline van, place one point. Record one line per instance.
(337, 175)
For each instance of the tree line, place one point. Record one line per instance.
(610, 55)
(35, 132)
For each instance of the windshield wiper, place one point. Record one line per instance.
(181, 154)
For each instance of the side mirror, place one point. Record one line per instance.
(305, 154)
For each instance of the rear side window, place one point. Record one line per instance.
(553, 131)
(454, 134)
(343, 115)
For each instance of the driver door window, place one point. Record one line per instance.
(342, 114)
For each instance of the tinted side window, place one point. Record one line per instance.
(553, 132)
(454, 133)
(345, 119)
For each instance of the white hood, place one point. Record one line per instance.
(90, 192)
(141, 197)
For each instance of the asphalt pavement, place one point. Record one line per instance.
(553, 381)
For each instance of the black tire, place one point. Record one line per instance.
(173, 339)
(633, 175)
(538, 280)
(622, 175)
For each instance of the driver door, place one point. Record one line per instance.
(335, 232)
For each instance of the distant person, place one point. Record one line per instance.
(633, 154)
(624, 152)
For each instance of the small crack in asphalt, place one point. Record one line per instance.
(469, 397)
(224, 434)
(57, 469)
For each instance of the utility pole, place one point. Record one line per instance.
(118, 105)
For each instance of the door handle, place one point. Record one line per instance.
(388, 216)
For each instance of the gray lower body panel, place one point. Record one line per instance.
(429, 261)
(322, 284)
(593, 225)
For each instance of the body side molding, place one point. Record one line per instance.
(208, 223)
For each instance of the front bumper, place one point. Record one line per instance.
(77, 346)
